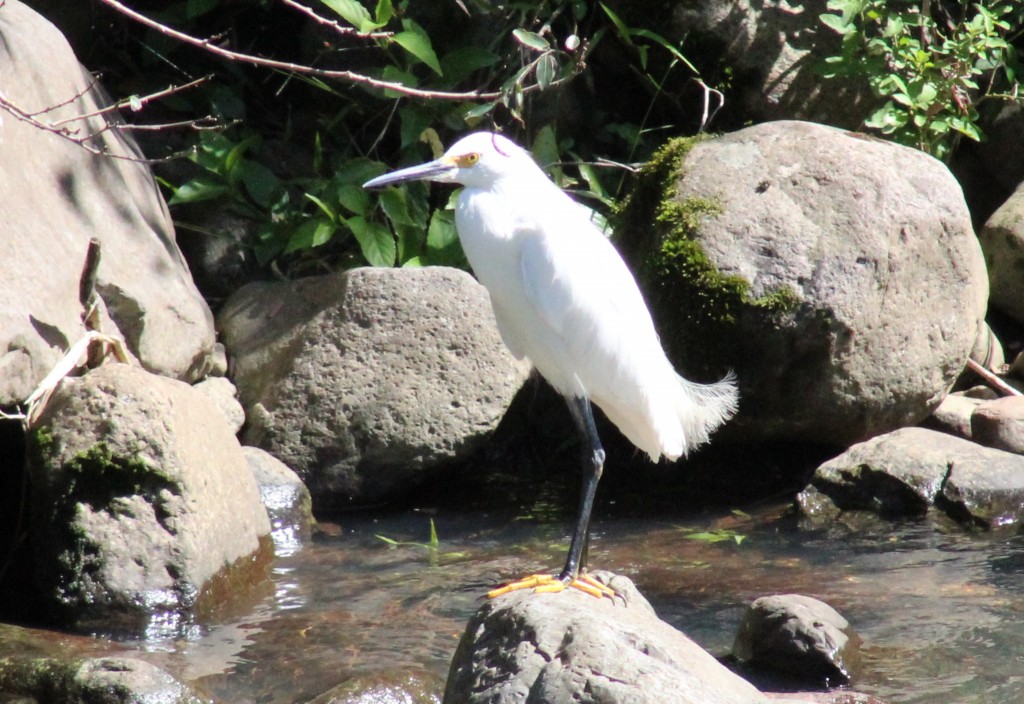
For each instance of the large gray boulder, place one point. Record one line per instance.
(1002, 239)
(364, 382)
(572, 647)
(837, 274)
(142, 501)
(54, 196)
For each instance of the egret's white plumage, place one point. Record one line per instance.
(564, 298)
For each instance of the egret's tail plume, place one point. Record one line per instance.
(704, 407)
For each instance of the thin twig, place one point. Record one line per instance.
(992, 380)
(135, 102)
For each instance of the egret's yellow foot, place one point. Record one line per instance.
(550, 584)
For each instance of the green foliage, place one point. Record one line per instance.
(932, 70)
(295, 147)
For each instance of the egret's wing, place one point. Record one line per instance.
(582, 290)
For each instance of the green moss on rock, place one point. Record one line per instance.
(690, 296)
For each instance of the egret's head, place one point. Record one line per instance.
(478, 159)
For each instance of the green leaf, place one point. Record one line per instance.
(459, 64)
(354, 198)
(197, 8)
(415, 41)
(620, 26)
(384, 12)
(531, 40)
(353, 13)
(311, 233)
(324, 208)
(395, 205)
(262, 184)
(202, 188)
(376, 241)
(477, 112)
(546, 68)
(443, 245)
(836, 23)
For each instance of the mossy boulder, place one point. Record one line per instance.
(838, 275)
(143, 506)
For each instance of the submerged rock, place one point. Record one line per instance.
(91, 681)
(572, 647)
(141, 497)
(802, 637)
(400, 687)
(365, 382)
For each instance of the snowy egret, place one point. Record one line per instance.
(564, 298)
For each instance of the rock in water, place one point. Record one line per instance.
(571, 647)
(142, 502)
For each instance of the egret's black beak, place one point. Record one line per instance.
(442, 169)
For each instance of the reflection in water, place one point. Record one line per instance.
(939, 609)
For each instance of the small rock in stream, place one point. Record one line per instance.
(798, 636)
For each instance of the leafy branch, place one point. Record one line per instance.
(932, 72)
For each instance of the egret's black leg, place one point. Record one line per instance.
(593, 466)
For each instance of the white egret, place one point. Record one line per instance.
(564, 298)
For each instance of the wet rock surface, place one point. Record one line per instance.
(548, 648)
(108, 680)
(909, 471)
(800, 636)
(140, 496)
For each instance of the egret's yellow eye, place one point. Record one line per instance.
(466, 160)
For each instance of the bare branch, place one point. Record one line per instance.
(347, 76)
(75, 136)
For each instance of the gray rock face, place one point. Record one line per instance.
(774, 48)
(140, 498)
(365, 381)
(799, 636)
(571, 647)
(910, 470)
(867, 287)
(54, 197)
(1000, 424)
(1002, 239)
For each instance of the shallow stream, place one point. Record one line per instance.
(939, 609)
